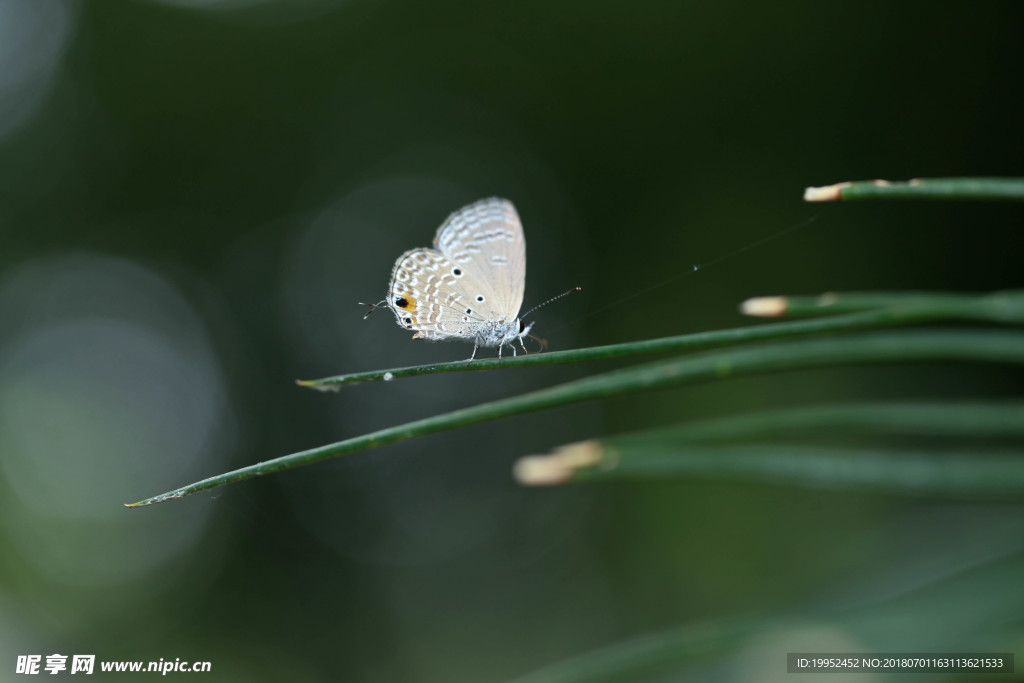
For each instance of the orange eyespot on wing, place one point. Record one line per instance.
(405, 302)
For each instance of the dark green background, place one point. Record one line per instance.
(198, 198)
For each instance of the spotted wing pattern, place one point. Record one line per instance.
(487, 239)
(473, 277)
(436, 297)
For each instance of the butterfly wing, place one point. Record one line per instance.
(486, 240)
(437, 297)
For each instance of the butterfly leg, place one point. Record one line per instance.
(473, 355)
(523, 344)
(525, 332)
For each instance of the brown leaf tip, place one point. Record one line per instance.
(558, 467)
(826, 193)
(765, 306)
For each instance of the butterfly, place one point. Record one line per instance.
(470, 285)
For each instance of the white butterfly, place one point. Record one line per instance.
(470, 285)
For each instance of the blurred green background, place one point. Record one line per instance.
(194, 195)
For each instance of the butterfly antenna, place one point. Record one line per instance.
(373, 307)
(554, 298)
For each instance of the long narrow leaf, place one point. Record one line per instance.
(694, 449)
(988, 346)
(961, 474)
(1000, 308)
(986, 189)
(1005, 307)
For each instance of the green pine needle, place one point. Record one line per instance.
(983, 189)
(984, 346)
(866, 311)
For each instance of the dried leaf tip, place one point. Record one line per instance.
(826, 193)
(558, 467)
(765, 306)
(318, 385)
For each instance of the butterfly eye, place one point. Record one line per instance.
(457, 272)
